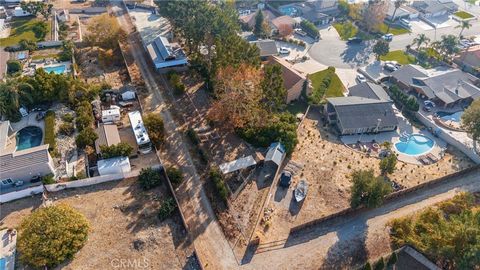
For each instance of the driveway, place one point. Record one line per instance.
(345, 242)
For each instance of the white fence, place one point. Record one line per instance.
(15, 195)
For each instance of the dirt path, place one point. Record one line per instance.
(212, 248)
(343, 243)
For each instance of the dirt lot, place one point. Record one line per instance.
(326, 165)
(124, 226)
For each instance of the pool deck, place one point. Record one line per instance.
(26, 121)
(394, 136)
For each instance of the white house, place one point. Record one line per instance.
(111, 115)
(19, 12)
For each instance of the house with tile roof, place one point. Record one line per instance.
(293, 80)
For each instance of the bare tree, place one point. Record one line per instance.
(374, 14)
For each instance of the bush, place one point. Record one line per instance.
(51, 235)
(405, 101)
(68, 117)
(309, 28)
(66, 129)
(121, 149)
(84, 115)
(13, 66)
(379, 265)
(393, 259)
(27, 45)
(86, 137)
(167, 208)
(367, 189)
(50, 130)
(48, 179)
(176, 82)
(149, 178)
(40, 30)
(154, 125)
(192, 135)
(217, 179)
(175, 175)
(387, 164)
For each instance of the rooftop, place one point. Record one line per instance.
(368, 90)
(107, 135)
(24, 158)
(267, 47)
(289, 74)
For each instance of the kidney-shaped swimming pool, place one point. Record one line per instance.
(415, 144)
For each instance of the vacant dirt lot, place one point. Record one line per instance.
(124, 226)
(327, 165)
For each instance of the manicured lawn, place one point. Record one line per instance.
(22, 29)
(400, 56)
(463, 15)
(335, 89)
(394, 30)
(346, 30)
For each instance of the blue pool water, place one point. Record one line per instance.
(56, 69)
(29, 137)
(290, 11)
(446, 116)
(415, 144)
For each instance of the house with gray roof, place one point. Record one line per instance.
(318, 12)
(446, 88)
(267, 48)
(367, 109)
(434, 8)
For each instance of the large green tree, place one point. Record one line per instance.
(381, 48)
(471, 121)
(259, 28)
(51, 235)
(448, 45)
(368, 189)
(274, 94)
(13, 93)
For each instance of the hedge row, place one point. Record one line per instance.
(217, 178)
(50, 130)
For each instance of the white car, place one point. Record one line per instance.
(360, 78)
(300, 32)
(284, 50)
(388, 37)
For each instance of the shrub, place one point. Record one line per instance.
(392, 260)
(84, 115)
(217, 179)
(149, 178)
(367, 189)
(13, 66)
(50, 130)
(175, 175)
(66, 129)
(48, 179)
(176, 82)
(192, 135)
(154, 125)
(167, 208)
(40, 30)
(51, 235)
(387, 164)
(86, 137)
(309, 28)
(68, 117)
(379, 265)
(27, 45)
(121, 149)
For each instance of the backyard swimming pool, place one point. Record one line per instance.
(60, 69)
(289, 10)
(448, 116)
(414, 145)
(29, 137)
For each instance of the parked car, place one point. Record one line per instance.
(360, 78)
(285, 179)
(284, 50)
(390, 67)
(388, 37)
(354, 40)
(36, 179)
(427, 108)
(300, 32)
(405, 23)
(18, 183)
(429, 103)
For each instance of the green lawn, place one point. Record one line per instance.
(463, 15)
(22, 29)
(394, 30)
(400, 56)
(346, 30)
(335, 89)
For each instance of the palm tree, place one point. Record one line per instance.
(464, 25)
(397, 4)
(420, 40)
(12, 93)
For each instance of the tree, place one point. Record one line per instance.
(40, 30)
(420, 40)
(374, 15)
(259, 29)
(471, 121)
(37, 7)
(13, 66)
(343, 7)
(149, 178)
(463, 25)
(12, 94)
(397, 4)
(121, 149)
(381, 48)
(387, 164)
(367, 189)
(104, 31)
(51, 235)
(448, 45)
(379, 265)
(154, 125)
(355, 11)
(86, 137)
(28, 45)
(285, 30)
(175, 175)
(309, 28)
(273, 90)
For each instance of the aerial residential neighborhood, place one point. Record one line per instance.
(256, 134)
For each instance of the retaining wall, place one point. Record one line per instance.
(15, 195)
